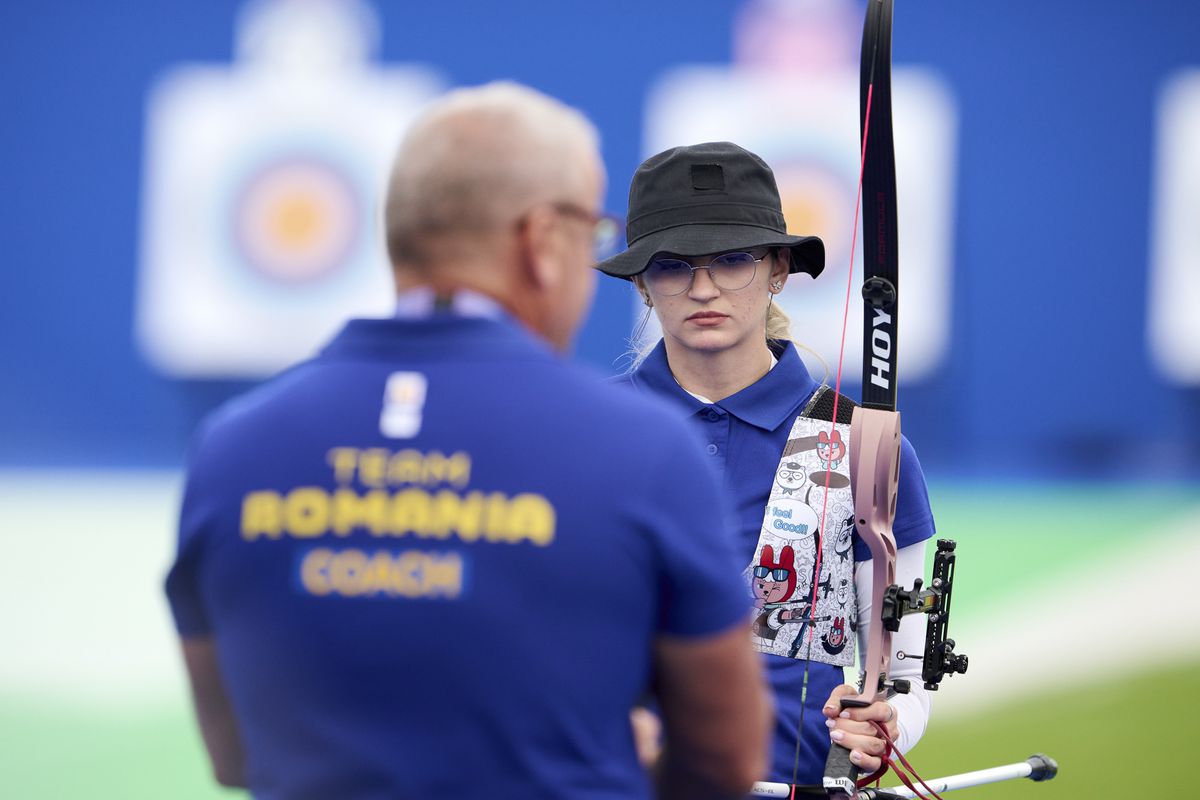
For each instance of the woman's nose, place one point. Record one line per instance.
(702, 283)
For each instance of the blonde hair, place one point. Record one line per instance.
(475, 161)
(779, 329)
(779, 324)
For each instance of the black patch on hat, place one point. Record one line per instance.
(708, 177)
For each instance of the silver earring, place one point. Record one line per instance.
(777, 286)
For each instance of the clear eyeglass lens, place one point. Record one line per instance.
(731, 271)
(669, 276)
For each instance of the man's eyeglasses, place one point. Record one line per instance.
(606, 228)
(775, 574)
(729, 271)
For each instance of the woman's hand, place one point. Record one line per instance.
(852, 728)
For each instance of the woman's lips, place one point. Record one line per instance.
(707, 319)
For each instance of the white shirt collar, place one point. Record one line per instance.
(421, 302)
(708, 402)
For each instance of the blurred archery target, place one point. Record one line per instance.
(815, 196)
(812, 146)
(1172, 325)
(296, 220)
(260, 225)
(263, 179)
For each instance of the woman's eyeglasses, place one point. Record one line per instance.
(729, 271)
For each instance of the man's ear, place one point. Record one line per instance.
(539, 246)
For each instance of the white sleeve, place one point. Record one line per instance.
(912, 709)
(773, 621)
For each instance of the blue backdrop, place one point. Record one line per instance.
(1048, 372)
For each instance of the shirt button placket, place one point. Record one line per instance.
(718, 433)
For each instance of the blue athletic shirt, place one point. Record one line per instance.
(463, 607)
(744, 436)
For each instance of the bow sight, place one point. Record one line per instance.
(939, 658)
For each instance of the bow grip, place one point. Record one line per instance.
(841, 774)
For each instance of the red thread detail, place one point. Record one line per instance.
(837, 388)
(905, 772)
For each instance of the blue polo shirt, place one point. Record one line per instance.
(434, 560)
(744, 436)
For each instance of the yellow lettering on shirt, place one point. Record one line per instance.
(314, 572)
(354, 573)
(262, 515)
(310, 512)
(344, 461)
(306, 512)
(378, 467)
(352, 510)
(372, 466)
(531, 517)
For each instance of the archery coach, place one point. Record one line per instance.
(437, 560)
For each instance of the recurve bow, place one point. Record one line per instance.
(875, 425)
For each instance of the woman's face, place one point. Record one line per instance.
(705, 317)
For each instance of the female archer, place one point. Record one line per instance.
(708, 251)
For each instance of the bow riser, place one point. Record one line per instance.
(874, 481)
(874, 478)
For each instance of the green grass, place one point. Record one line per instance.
(1104, 738)
(49, 752)
(1010, 538)
(1013, 536)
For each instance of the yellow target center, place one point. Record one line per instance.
(297, 223)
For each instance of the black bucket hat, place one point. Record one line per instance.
(706, 198)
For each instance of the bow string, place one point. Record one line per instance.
(875, 425)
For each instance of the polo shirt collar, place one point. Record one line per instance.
(481, 336)
(655, 374)
(767, 403)
(772, 399)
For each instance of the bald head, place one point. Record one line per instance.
(474, 163)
